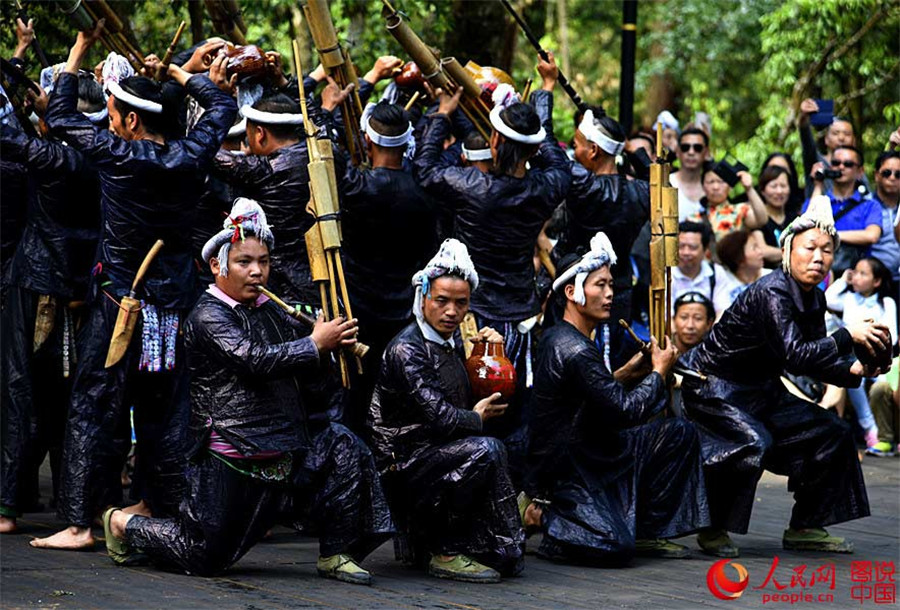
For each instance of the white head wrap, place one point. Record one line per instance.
(271, 118)
(452, 258)
(478, 154)
(600, 254)
(380, 139)
(47, 80)
(505, 95)
(132, 100)
(512, 134)
(239, 128)
(246, 217)
(817, 215)
(668, 121)
(596, 134)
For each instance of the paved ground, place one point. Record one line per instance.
(280, 573)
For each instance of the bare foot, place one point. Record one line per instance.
(141, 508)
(117, 523)
(72, 539)
(8, 525)
(533, 515)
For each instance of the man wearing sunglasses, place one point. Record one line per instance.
(856, 217)
(887, 194)
(839, 133)
(693, 148)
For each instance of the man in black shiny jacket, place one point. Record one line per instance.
(447, 483)
(258, 380)
(149, 187)
(750, 422)
(499, 215)
(50, 271)
(615, 481)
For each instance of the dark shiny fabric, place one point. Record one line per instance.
(149, 190)
(98, 427)
(212, 208)
(334, 487)
(58, 246)
(388, 226)
(253, 378)
(448, 486)
(14, 195)
(498, 218)
(242, 361)
(280, 183)
(33, 400)
(749, 422)
(610, 477)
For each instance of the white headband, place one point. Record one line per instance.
(238, 128)
(133, 100)
(600, 254)
(511, 133)
(379, 138)
(479, 154)
(592, 132)
(271, 118)
(97, 117)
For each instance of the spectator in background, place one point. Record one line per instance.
(884, 398)
(694, 316)
(742, 256)
(694, 272)
(887, 195)
(643, 140)
(798, 195)
(693, 147)
(856, 218)
(862, 294)
(840, 133)
(775, 189)
(723, 215)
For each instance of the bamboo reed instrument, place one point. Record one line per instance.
(444, 73)
(85, 15)
(336, 61)
(663, 243)
(323, 240)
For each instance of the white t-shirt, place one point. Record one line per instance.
(687, 207)
(702, 284)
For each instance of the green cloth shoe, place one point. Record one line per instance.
(717, 543)
(118, 550)
(463, 569)
(814, 539)
(524, 501)
(881, 449)
(658, 547)
(343, 568)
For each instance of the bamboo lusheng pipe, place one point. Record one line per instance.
(647, 348)
(359, 350)
(437, 71)
(114, 25)
(85, 17)
(337, 64)
(663, 244)
(171, 50)
(323, 239)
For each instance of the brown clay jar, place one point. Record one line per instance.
(248, 62)
(490, 371)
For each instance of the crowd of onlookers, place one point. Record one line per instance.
(728, 241)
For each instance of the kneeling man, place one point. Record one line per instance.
(255, 380)
(606, 483)
(447, 484)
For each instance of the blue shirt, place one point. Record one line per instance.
(887, 249)
(863, 215)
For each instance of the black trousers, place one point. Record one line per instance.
(34, 398)
(596, 519)
(97, 438)
(457, 498)
(333, 486)
(746, 429)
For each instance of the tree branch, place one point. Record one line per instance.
(874, 84)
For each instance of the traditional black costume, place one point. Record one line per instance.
(610, 477)
(50, 269)
(148, 192)
(448, 485)
(748, 420)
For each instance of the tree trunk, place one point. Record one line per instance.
(196, 12)
(484, 33)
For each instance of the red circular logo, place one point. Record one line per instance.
(723, 587)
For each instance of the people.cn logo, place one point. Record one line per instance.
(723, 587)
